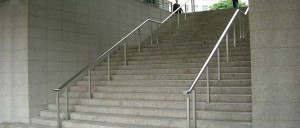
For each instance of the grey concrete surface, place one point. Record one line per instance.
(275, 50)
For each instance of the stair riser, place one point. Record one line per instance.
(213, 76)
(168, 97)
(174, 66)
(154, 104)
(136, 121)
(168, 83)
(170, 71)
(201, 90)
(193, 51)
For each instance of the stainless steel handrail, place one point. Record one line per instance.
(88, 67)
(205, 66)
(93, 62)
(214, 49)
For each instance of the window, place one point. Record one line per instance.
(196, 8)
(187, 8)
(204, 8)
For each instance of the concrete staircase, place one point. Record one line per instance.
(148, 92)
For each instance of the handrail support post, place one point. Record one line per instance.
(67, 103)
(151, 33)
(90, 84)
(194, 108)
(234, 35)
(125, 53)
(58, 110)
(188, 110)
(219, 67)
(207, 85)
(140, 39)
(178, 20)
(227, 49)
(108, 67)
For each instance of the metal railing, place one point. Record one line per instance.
(89, 67)
(192, 88)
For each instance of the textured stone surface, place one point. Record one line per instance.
(275, 50)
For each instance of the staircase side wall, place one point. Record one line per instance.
(14, 95)
(65, 35)
(275, 50)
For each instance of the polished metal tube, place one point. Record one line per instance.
(90, 84)
(188, 110)
(207, 85)
(234, 35)
(219, 67)
(185, 13)
(67, 103)
(194, 108)
(151, 33)
(170, 26)
(178, 20)
(108, 67)
(125, 53)
(140, 40)
(58, 110)
(243, 20)
(157, 34)
(241, 29)
(227, 49)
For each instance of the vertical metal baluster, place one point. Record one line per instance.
(151, 33)
(227, 50)
(240, 17)
(219, 67)
(188, 110)
(90, 84)
(234, 35)
(185, 13)
(67, 103)
(178, 20)
(125, 53)
(58, 110)
(108, 67)
(170, 26)
(207, 85)
(194, 108)
(157, 34)
(140, 40)
(243, 20)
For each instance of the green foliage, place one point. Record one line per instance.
(225, 4)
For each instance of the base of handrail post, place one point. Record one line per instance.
(188, 111)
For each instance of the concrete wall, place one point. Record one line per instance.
(45, 42)
(14, 93)
(64, 35)
(275, 49)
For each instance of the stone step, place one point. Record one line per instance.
(97, 124)
(178, 61)
(151, 112)
(212, 76)
(223, 124)
(23, 125)
(203, 106)
(49, 121)
(143, 89)
(174, 65)
(170, 83)
(234, 98)
(157, 47)
(185, 51)
(179, 56)
(172, 71)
